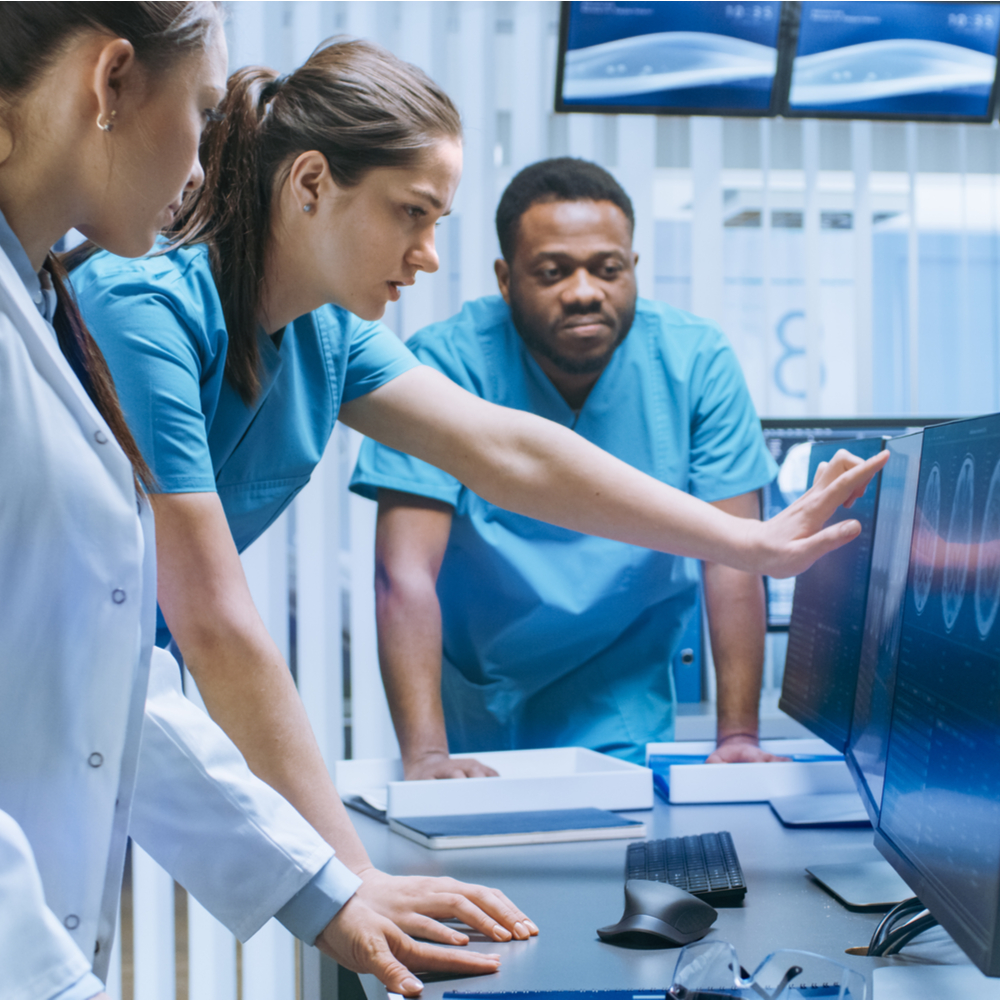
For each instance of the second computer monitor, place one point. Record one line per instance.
(824, 637)
(890, 559)
(939, 823)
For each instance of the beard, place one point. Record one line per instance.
(542, 340)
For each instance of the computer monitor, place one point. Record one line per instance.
(824, 637)
(672, 58)
(897, 499)
(930, 60)
(939, 824)
(789, 440)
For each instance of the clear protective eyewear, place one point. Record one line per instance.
(709, 969)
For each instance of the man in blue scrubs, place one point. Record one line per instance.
(497, 631)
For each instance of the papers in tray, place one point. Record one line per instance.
(681, 774)
(554, 778)
(547, 826)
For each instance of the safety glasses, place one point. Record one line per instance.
(710, 969)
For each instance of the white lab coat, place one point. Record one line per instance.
(78, 752)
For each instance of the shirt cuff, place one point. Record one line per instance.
(82, 989)
(308, 912)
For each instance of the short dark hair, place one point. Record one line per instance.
(563, 178)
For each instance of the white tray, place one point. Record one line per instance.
(554, 778)
(699, 782)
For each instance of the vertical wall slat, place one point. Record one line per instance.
(765, 261)
(912, 273)
(706, 235)
(811, 229)
(211, 956)
(371, 724)
(318, 611)
(861, 163)
(530, 86)
(476, 199)
(269, 964)
(152, 928)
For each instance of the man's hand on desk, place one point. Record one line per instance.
(740, 748)
(437, 764)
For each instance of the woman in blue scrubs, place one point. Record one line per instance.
(236, 352)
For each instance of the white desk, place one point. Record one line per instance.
(571, 889)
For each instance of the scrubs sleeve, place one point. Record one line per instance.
(728, 453)
(376, 356)
(160, 355)
(379, 466)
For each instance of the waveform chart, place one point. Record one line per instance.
(987, 599)
(956, 555)
(926, 539)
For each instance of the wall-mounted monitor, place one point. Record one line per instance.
(670, 58)
(898, 60)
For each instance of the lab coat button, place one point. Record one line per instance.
(95, 759)
(100, 437)
(118, 596)
(71, 922)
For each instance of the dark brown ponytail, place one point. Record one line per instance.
(91, 369)
(31, 37)
(354, 102)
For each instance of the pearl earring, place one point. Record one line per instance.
(109, 124)
(307, 208)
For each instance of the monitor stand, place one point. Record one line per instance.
(862, 885)
(821, 809)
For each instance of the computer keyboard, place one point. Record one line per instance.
(705, 865)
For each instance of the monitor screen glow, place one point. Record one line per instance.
(896, 60)
(714, 58)
(824, 638)
(939, 823)
(897, 499)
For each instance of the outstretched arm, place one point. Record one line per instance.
(538, 468)
(410, 541)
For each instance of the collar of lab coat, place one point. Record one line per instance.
(49, 360)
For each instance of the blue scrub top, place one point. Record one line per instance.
(550, 637)
(160, 324)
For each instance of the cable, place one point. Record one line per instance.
(908, 932)
(904, 909)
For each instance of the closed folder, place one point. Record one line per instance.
(546, 826)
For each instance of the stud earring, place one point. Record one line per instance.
(307, 208)
(109, 124)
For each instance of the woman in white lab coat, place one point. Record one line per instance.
(101, 110)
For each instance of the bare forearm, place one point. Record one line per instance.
(543, 470)
(409, 649)
(735, 605)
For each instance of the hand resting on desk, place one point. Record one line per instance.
(437, 764)
(371, 933)
(741, 749)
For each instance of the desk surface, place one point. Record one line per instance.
(571, 889)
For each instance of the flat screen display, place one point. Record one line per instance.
(824, 638)
(897, 499)
(789, 441)
(896, 60)
(681, 58)
(940, 819)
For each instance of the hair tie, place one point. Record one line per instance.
(268, 93)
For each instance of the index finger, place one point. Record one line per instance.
(850, 485)
(482, 908)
